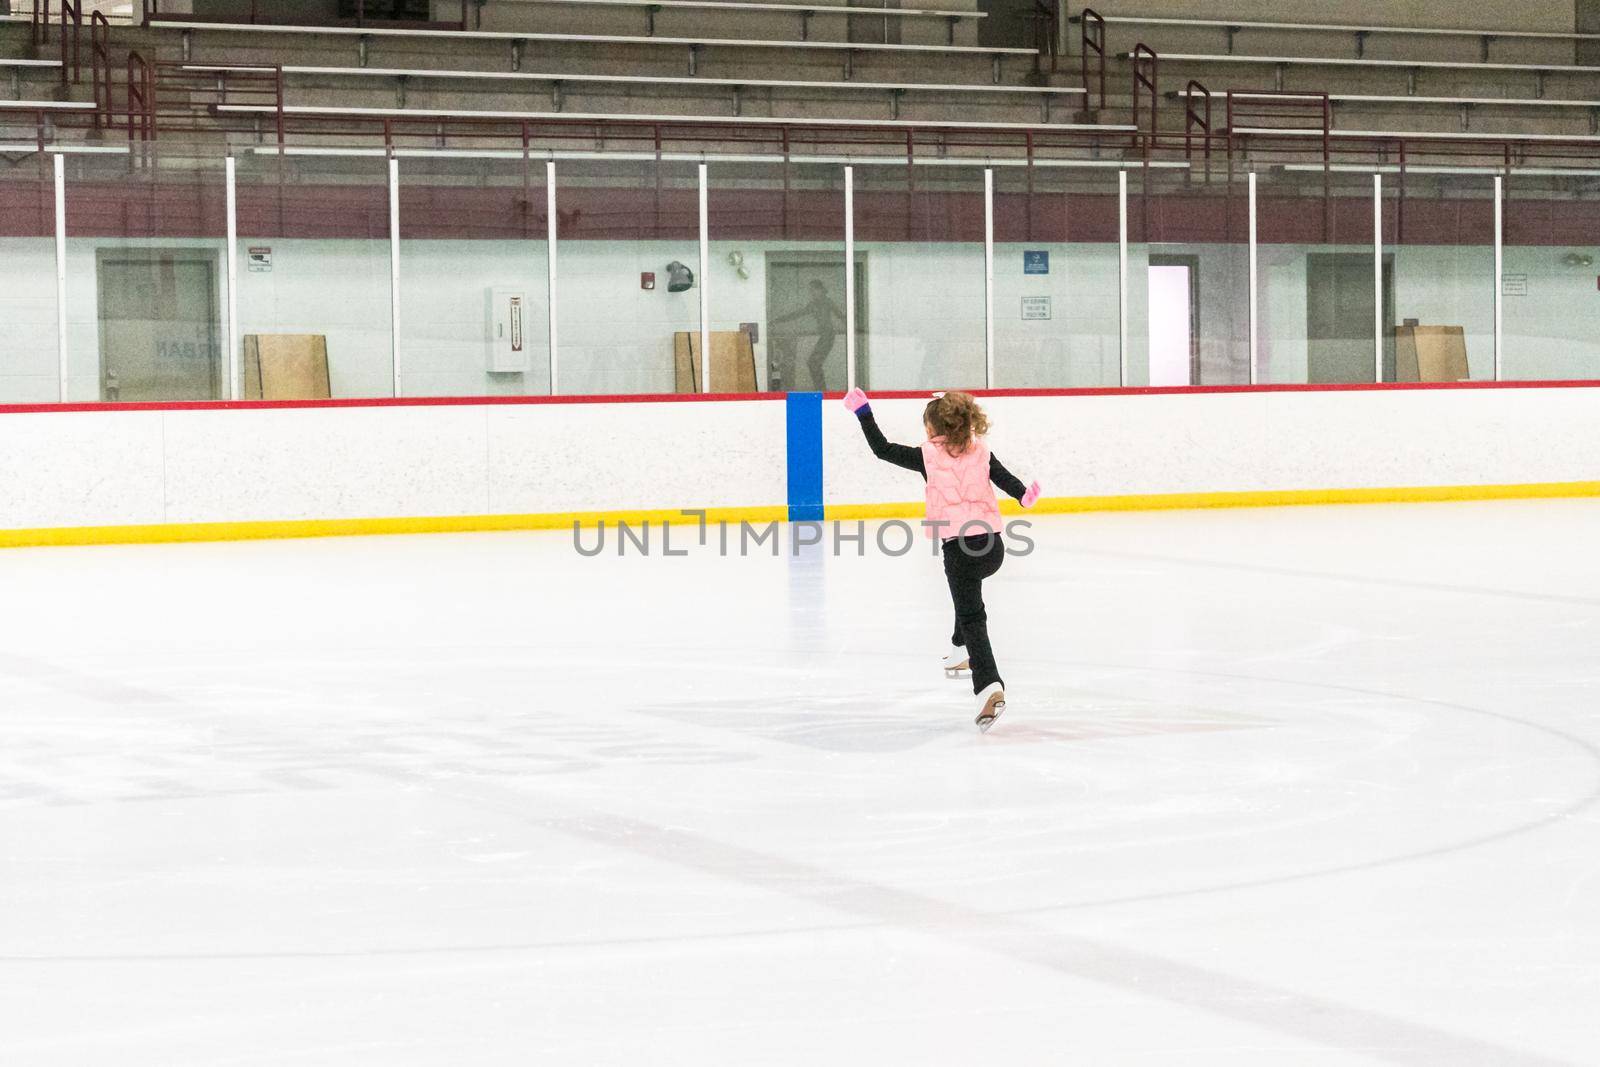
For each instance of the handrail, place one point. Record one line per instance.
(40, 22)
(41, 120)
(1145, 64)
(1093, 40)
(191, 91)
(1193, 118)
(1313, 112)
(100, 67)
(141, 87)
(71, 41)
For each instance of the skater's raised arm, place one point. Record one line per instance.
(900, 455)
(1009, 483)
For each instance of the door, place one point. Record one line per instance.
(158, 324)
(805, 321)
(1174, 306)
(1339, 317)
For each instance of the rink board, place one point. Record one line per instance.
(88, 474)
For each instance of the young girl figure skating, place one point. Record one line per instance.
(962, 513)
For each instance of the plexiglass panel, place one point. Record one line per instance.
(1055, 277)
(1188, 277)
(29, 354)
(473, 277)
(146, 278)
(919, 232)
(1551, 317)
(1438, 231)
(627, 275)
(314, 274)
(1315, 278)
(777, 274)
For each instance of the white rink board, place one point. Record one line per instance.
(1112, 445)
(112, 468)
(261, 465)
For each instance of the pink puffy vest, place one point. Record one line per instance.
(958, 491)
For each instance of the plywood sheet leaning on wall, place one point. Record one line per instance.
(286, 366)
(1430, 354)
(733, 362)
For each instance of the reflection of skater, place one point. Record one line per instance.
(824, 315)
(958, 467)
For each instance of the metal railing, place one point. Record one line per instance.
(141, 99)
(1093, 43)
(1265, 109)
(40, 22)
(44, 120)
(1196, 118)
(100, 67)
(71, 41)
(1146, 69)
(186, 95)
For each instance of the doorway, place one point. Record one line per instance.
(158, 324)
(805, 321)
(1174, 307)
(1339, 317)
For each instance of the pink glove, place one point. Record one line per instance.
(855, 400)
(1031, 497)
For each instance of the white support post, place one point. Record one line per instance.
(1122, 278)
(394, 272)
(850, 277)
(230, 333)
(988, 278)
(1253, 281)
(705, 290)
(61, 274)
(1499, 275)
(550, 275)
(1377, 277)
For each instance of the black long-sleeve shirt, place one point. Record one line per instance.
(911, 458)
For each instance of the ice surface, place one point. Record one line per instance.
(1309, 786)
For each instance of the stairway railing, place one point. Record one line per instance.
(1093, 38)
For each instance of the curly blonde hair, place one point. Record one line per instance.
(957, 418)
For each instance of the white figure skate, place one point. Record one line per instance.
(956, 663)
(991, 702)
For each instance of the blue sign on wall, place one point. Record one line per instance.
(1036, 261)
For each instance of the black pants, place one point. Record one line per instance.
(967, 562)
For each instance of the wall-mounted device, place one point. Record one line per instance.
(647, 280)
(508, 331)
(679, 277)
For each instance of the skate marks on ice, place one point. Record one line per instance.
(910, 719)
(1298, 1015)
(220, 727)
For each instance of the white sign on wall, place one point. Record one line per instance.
(1514, 285)
(259, 259)
(1035, 307)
